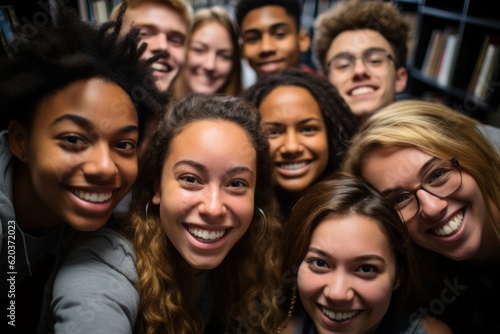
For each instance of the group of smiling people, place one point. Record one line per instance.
(277, 211)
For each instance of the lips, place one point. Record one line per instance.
(206, 235)
(451, 226)
(93, 197)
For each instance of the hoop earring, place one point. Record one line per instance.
(264, 218)
(147, 208)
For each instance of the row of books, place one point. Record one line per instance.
(485, 78)
(441, 55)
(9, 30)
(96, 11)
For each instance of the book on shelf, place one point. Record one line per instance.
(448, 59)
(488, 69)
(8, 28)
(433, 60)
(412, 19)
(479, 63)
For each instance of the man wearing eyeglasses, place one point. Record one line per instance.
(361, 46)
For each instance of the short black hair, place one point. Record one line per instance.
(69, 50)
(292, 7)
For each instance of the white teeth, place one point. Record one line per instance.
(92, 197)
(451, 226)
(339, 315)
(159, 67)
(206, 235)
(293, 166)
(362, 90)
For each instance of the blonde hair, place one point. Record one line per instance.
(436, 130)
(203, 16)
(182, 7)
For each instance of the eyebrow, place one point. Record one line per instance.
(272, 27)
(424, 167)
(355, 259)
(203, 169)
(87, 125)
(301, 122)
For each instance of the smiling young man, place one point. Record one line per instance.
(361, 46)
(271, 37)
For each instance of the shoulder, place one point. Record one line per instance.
(96, 283)
(434, 326)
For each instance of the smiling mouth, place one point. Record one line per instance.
(451, 226)
(362, 90)
(161, 67)
(339, 316)
(292, 166)
(93, 197)
(206, 235)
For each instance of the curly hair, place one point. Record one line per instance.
(341, 195)
(292, 7)
(341, 124)
(249, 275)
(381, 16)
(72, 50)
(437, 130)
(203, 16)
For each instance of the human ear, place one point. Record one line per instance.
(401, 79)
(304, 40)
(157, 196)
(18, 139)
(397, 284)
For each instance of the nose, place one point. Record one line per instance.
(100, 163)
(359, 66)
(432, 207)
(209, 61)
(158, 42)
(291, 143)
(339, 288)
(267, 44)
(212, 203)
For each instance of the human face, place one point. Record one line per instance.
(452, 226)
(164, 30)
(207, 190)
(210, 59)
(363, 91)
(297, 136)
(348, 273)
(271, 42)
(81, 154)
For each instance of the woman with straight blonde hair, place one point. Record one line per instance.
(213, 63)
(443, 176)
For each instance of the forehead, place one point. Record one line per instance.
(357, 41)
(212, 33)
(265, 17)
(289, 102)
(154, 14)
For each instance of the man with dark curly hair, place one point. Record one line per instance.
(271, 36)
(361, 46)
(74, 103)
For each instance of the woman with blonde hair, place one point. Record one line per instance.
(443, 176)
(213, 63)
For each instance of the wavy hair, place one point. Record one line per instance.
(216, 14)
(248, 275)
(342, 195)
(341, 124)
(72, 50)
(381, 16)
(437, 130)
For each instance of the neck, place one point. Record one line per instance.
(31, 213)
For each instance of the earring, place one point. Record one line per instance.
(264, 218)
(147, 207)
(290, 311)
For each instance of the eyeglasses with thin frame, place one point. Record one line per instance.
(376, 61)
(442, 178)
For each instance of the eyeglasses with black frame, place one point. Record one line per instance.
(375, 60)
(441, 179)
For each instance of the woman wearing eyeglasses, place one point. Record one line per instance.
(443, 177)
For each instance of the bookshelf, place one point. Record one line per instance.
(473, 22)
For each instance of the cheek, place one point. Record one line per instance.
(306, 281)
(225, 67)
